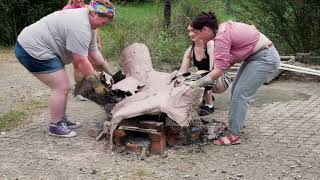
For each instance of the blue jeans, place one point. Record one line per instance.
(251, 75)
(37, 66)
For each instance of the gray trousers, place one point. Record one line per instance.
(251, 75)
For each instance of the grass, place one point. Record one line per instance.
(144, 23)
(7, 54)
(11, 119)
(140, 173)
(21, 114)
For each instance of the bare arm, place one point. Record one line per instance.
(186, 62)
(98, 39)
(210, 50)
(83, 64)
(216, 73)
(99, 61)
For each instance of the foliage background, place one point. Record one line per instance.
(17, 14)
(294, 25)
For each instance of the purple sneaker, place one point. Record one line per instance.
(60, 129)
(71, 124)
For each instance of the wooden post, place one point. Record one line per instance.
(167, 13)
(228, 7)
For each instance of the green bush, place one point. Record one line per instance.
(17, 14)
(293, 25)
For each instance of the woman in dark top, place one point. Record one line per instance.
(201, 56)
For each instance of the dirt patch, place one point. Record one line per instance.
(21, 97)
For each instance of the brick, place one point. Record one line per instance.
(158, 147)
(156, 136)
(173, 140)
(118, 135)
(134, 147)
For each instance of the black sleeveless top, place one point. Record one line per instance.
(204, 63)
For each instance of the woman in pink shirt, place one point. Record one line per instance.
(236, 42)
(74, 4)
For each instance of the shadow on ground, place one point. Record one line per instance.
(266, 95)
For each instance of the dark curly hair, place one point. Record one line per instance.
(208, 19)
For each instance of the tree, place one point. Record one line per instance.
(17, 14)
(167, 13)
(228, 6)
(293, 25)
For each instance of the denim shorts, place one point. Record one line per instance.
(37, 66)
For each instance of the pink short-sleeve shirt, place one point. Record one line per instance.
(73, 6)
(234, 44)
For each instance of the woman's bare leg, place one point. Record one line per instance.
(220, 87)
(208, 100)
(59, 84)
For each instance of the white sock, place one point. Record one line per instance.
(209, 105)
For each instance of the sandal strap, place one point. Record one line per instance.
(233, 140)
(227, 140)
(219, 141)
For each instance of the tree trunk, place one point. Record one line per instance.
(228, 6)
(167, 13)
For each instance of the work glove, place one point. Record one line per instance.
(202, 82)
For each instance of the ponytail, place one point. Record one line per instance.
(208, 19)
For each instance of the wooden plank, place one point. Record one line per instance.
(300, 71)
(287, 57)
(132, 128)
(151, 125)
(300, 68)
